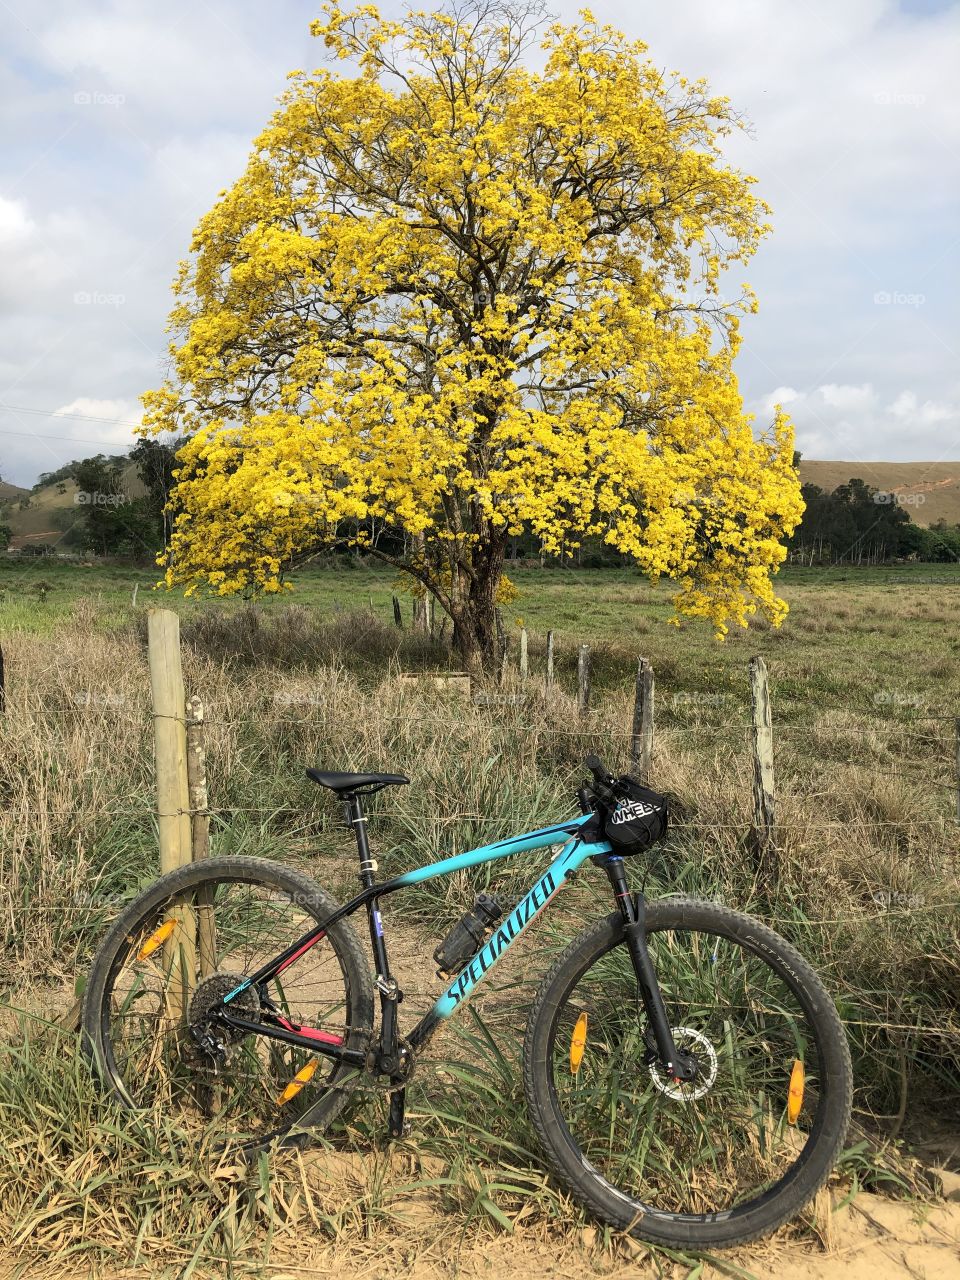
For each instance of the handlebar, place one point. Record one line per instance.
(603, 781)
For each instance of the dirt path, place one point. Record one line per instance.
(872, 1238)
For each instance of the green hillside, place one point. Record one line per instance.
(10, 492)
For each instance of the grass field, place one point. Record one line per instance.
(865, 684)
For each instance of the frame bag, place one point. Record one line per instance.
(638, 821)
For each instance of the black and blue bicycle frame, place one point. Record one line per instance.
(576, 849)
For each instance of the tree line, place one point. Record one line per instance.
(854, 524)
(859, 524)
(104, 518)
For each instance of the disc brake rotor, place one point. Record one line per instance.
(688, 1040)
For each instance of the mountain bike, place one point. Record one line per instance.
(684, 1067)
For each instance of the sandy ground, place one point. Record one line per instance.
(872, 1238)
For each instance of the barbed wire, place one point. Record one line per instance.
(374, 814)
(586, 730)
(882, 912)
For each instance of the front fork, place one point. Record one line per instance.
(679, 1065)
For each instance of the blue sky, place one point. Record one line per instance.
(123, 120)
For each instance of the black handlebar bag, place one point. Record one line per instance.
(638, 821)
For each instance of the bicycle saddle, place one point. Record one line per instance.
(356, 781)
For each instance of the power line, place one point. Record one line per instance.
(60, 413)
(43, 435)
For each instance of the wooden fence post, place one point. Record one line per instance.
(397, 615)
(524, 661)
(583, 679)
(200, 828)
(641, 738)
(501, 642)
(764, 831)
(173, 790)
(549, 675)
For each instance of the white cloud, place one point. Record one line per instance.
(836, 422)
(907, 406)
(87, 417)
(842, 397)
(782, 396)
(128, 118)
(15, 223)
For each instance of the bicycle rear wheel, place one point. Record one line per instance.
(743, 1147)
(182, 945)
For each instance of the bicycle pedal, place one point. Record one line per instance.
(395, 1120)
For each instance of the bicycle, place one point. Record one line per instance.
(685, 1070)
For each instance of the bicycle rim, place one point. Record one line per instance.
(726, 1140)
(223, 931)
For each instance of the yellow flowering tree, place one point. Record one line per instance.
(454, 298)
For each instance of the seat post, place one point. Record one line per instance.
(357, 820)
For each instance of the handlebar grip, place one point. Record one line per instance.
(602, 779)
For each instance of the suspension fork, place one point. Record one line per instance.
(633, 910)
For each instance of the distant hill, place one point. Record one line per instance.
(933, 486)
(43, 521)
(10, 492)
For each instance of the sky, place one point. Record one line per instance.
(122, 120)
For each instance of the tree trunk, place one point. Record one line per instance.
(475, 618)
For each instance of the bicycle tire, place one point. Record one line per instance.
(149, 906)
(629, 1213)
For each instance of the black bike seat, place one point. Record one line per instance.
(356, 781)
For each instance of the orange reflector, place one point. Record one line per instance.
(303, 1076)
(578, 1043)
(795, 1093)
(157, 939)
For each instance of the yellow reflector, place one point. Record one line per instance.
(303, 1076)
(578, 1043)
(157, 939)
(795, 1094)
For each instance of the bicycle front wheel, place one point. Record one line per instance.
(738, 1150)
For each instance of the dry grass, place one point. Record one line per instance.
(869, 889)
